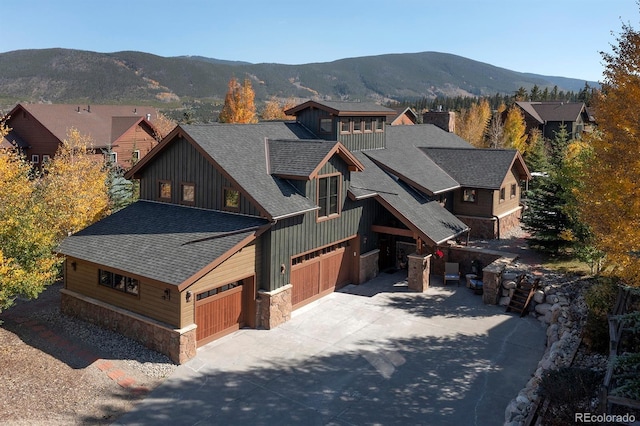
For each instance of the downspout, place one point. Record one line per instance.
(498, 223)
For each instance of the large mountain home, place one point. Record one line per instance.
(549, 116)
(122, 133)
(240, 224)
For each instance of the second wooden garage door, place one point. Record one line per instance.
(319, 273)
(218, 312)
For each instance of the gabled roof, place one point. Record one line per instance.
(404, 159)
(399, 112)
(239, 152)
(426, 217)
(96, 121)
(163, 242)
(343, 109)
(302, 159)
(478, 168)
(553, 111)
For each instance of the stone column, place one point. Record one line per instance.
(274, 307)
(419, 269)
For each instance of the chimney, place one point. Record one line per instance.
(445, 120)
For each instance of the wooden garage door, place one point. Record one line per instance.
(319, 273)
(218, 312)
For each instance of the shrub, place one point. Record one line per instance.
(600, 299)
(569, 390)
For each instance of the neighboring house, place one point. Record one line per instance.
(548, 117)
(240, 224)
(402, 116)
(123, 133)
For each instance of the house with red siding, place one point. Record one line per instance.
(122, 134)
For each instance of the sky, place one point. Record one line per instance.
(549, 37)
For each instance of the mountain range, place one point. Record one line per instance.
(77, 76)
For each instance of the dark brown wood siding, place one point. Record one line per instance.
(135, 139)
(41, 141)
(182, 163)
(483, 207)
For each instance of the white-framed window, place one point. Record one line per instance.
(46, 158)
(135, 155)
(35, 159)
(112, 157)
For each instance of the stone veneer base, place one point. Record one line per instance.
(419, 270)
(178, 344)
(274, 307)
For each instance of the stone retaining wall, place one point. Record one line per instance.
(178, 344)
(368, 266)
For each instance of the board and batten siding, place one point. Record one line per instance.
(180, 163)
(150, 302)
(509, 203)
(303, 233)
(243, 264)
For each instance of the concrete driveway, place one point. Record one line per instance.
(368, 354)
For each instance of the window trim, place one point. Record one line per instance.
(328, 202)
(514, 191)
(348, 122)
(163, 182)
(46, 158)
(361, 122)
(503, 195)
(475, 195)
(379, 125)
(112, 284)
(35, 159)
(112, 157)
(369, 121)
(135, 155)
(182, 187)
(224, 199)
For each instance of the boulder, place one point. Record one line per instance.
(539, 296)
(543, 308)
(509, 284)
(504, 301)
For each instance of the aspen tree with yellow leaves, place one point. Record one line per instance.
(274, 109)
(472, 124)
(514, 134)
(239, 103)
(37, 210)
(610, 197)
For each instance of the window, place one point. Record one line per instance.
(218, 290)
(112, 157)
(35, 159)
(469, 195)
(118, 282)
(379, 125)
(135, 156)
(502, 194)
(357, 125)
(46, 158)
(188, 193)
(164, 190)
(231, 199)
(514, 190)
(368, 125)
(326, 125)
(345, 125)
(328, 196)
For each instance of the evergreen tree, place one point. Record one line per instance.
(551, 217)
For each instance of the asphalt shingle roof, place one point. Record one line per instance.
(428, 216)
(553, 111)
(240, 151)
(297, 158)
(404, 157)
(92, 120)
(478, 168)
(163, 242)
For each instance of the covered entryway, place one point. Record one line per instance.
(320, 272)
(222, 310)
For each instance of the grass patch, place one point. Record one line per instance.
(567, 265)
